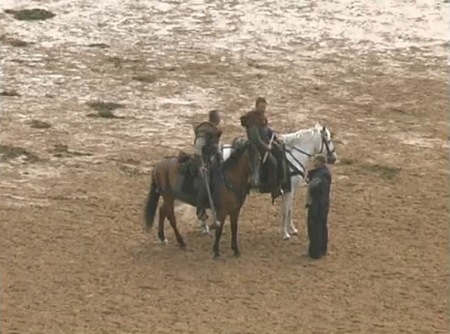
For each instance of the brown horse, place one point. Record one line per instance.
(230, 185)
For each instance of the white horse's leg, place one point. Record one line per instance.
(290, 225)
(291, 229)
(286, 205)
(296, 181)
(205, 228)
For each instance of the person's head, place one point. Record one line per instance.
(260, 104)
(319, 160)
(214, 117)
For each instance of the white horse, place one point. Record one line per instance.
(300, 147)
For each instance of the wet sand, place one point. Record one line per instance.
(74, 257)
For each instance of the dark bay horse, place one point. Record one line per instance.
(231, 183)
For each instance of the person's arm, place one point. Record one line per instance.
(276, 137)
(255, 138)
(218, 150)
(315, 186)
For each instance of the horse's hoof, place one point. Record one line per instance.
(216, 256)
(182, 246)
(163, 242)
(294, 233)
(237, 254)
(206, 230)
(286, 238)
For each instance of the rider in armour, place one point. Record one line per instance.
(207, 154)
(259, 134)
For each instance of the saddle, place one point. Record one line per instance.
(283, 179)
(187, 165)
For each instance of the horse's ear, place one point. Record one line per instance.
(323, 128)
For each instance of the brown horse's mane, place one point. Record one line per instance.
(235, 155)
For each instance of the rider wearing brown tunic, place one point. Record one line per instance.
(256, 125)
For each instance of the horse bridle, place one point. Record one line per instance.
(325, 143)
(309, 155)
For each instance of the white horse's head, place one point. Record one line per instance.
(326, 145)
(313, 141)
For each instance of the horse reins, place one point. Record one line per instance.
(298, 171)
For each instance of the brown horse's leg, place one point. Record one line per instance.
(173, 222)
(221, 216)
(234, 217)
(162, 216)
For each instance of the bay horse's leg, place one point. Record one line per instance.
(234, 218)
(162, 217)
(221, 216)
(170, 211)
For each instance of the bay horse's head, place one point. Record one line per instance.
(248, 158)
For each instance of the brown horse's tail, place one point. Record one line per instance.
(152, 204)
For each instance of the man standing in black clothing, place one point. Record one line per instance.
(318, 204)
